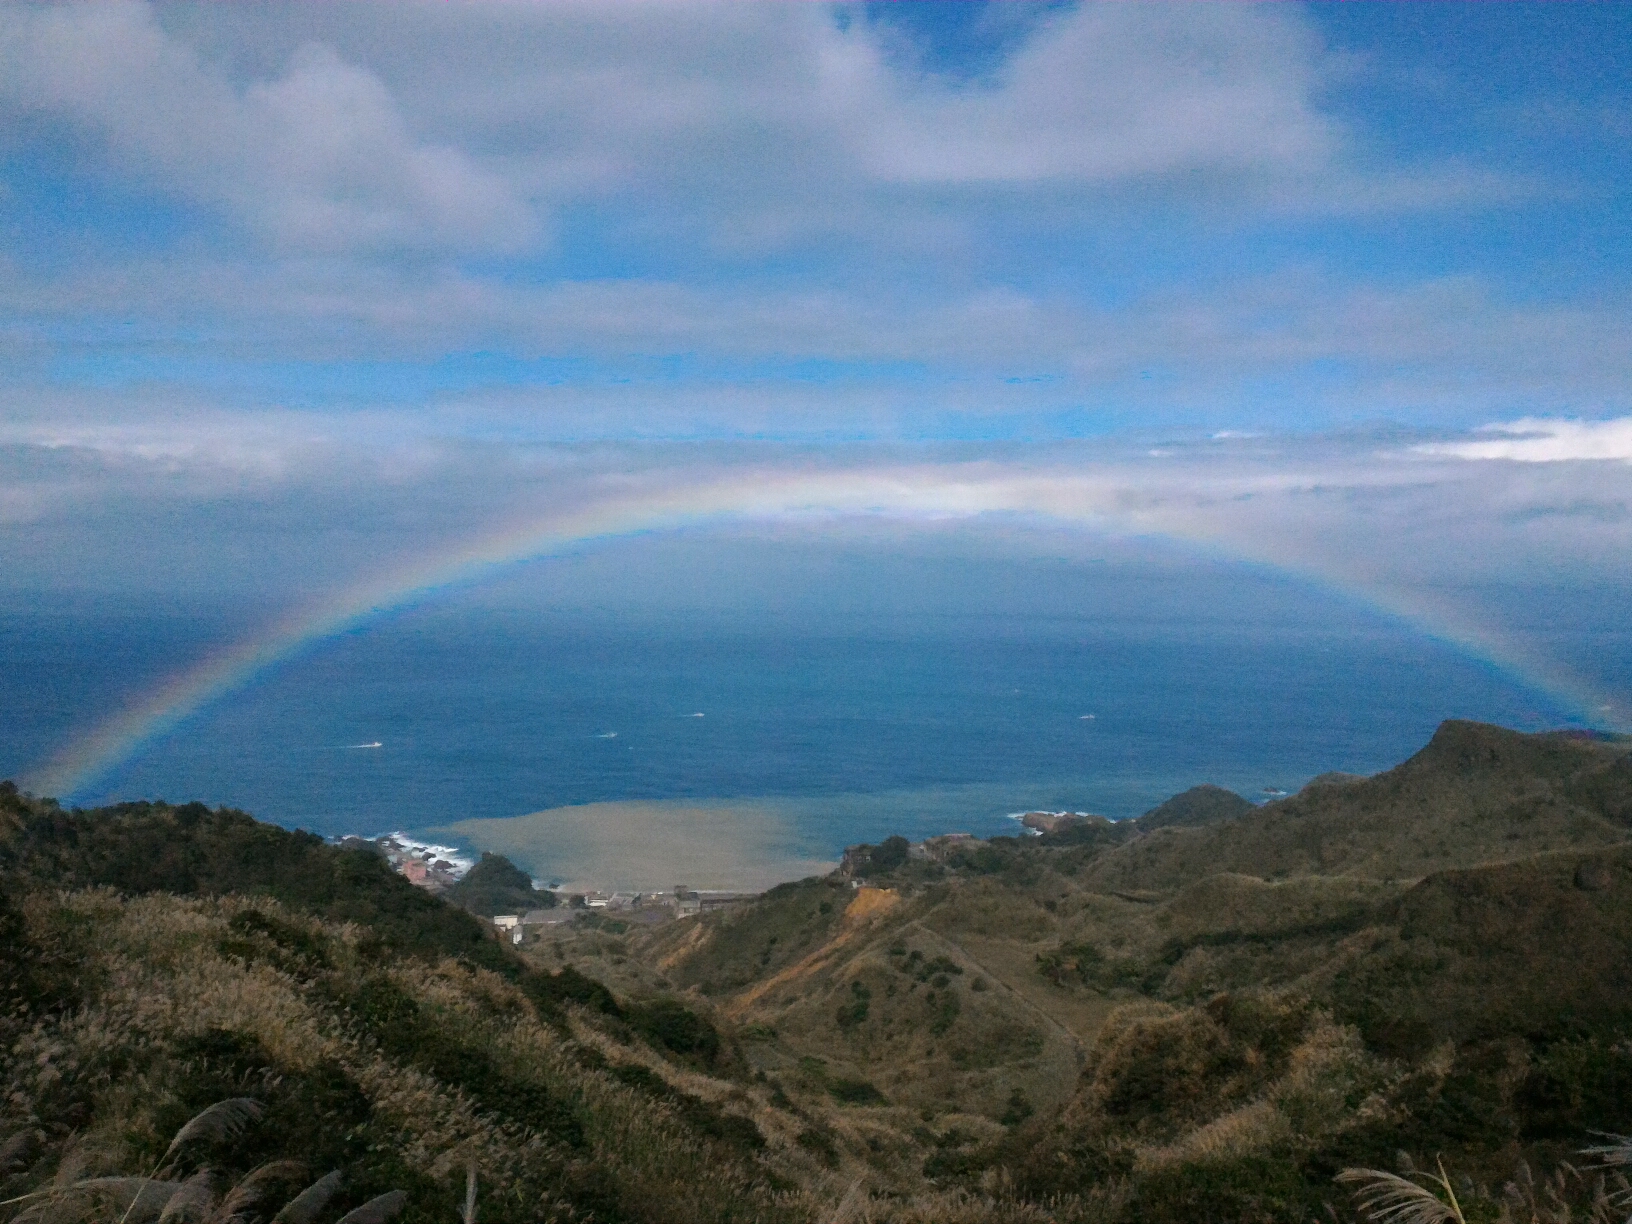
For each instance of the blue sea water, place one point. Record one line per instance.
(855, 728)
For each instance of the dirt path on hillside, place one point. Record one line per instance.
(863, 912)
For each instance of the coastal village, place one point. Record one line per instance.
(437, 868)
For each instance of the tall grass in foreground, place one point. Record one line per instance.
(400, 1071)
(166, 1196)
(1567, 1197)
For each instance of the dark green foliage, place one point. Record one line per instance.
(319, 1114)
(818, 1141)
(194, 851)
(317, 1118)
(953, 1158)
(1609, 791)
(675, 1027)
(495, 885)
(1015, 859)
(1578, 1086)
(1094, 833)
(1018, 1109)
(666, 1024)
(736, 1132)
(549, 991)
(1166, 1073)
(854, 1092)
(944, 1011)
(941, 968)
(1082, 964)
(1160, 1074)
(1229, 1192)
(1186, 1067)
(1517, 948)
(1469, 1108)
(889, 854)
(1269, 1026)
(1197, 806)
(854, 1012)
(987, 859)
(259, 937)
(24, 983)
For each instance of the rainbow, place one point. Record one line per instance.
(922, 492)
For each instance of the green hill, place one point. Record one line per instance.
(1199, 805)
(161, 958)
(1204, 1013)
(1475, 794)
(495, 885)
(1212, 1015)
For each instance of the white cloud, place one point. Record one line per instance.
(1534, 440)
(356, 126)
(587, 93)
(317, 156)
(1109, 92)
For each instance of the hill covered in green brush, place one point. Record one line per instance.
(157, 959)
(1202, 1014)
(1208, 1012)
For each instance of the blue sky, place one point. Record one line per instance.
(292, 291)
(951, 221)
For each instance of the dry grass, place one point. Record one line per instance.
(197, 1198)
(1388, 1198)
(160, 976)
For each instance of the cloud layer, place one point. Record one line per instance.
(1546, 441)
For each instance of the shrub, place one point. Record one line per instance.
(818, 1141)
(855, 1092)
(674, 1026)
(1019, 1108)
(854, 1012)
(888, 854)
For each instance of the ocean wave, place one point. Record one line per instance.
(400, 843)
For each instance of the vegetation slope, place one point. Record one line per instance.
(1202, 1014)
(157, 959)
(1209, 1011)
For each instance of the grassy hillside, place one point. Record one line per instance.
(1202, 1014)
(1213, 1009)
(1475, 794)
(159, 959)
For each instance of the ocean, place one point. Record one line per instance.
(845, 730)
